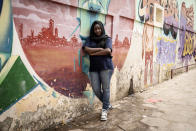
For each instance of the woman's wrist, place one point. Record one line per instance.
(100, 49)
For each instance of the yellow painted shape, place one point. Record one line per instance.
(3, 58)
(166, 39)
(7, 68)
(4, 19)
(188, 45)
(35, 99)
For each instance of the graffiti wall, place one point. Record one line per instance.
(44, 71)
(173, 46)
(186, 48)
(15, 80)
(49, 44)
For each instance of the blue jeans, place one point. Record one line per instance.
(100, 82)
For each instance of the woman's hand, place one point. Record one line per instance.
(106, 51)
(91, 51)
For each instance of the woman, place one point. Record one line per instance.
(99, 48)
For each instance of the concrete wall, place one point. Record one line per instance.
(44, 72)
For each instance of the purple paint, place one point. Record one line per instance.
(182, 36)
(182, 32)
(170, 20)
(166, 52)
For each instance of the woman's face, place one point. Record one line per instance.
(97, 29)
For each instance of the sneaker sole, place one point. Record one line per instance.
(102, 119)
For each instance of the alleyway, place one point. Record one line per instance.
(169, 106)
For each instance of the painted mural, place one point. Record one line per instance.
(1, 4)
(146, 12)
(147, 53)
(186, 48)
(122, 29)
(14, 74)
(15, 80)
(166, 51)
(51, 33)
(51, 48)
(52, 38)
(176, 18)
(171, 17)
(122, 41)
(194, 52)
(6, 31)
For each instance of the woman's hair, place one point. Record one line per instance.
(100, 40)
(92, 33)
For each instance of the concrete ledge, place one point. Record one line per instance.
(177, 71)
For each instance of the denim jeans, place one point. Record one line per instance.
(100, 82)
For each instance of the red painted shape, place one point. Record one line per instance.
(147, 45)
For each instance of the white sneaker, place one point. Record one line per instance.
(110, 107)
(104, 115)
